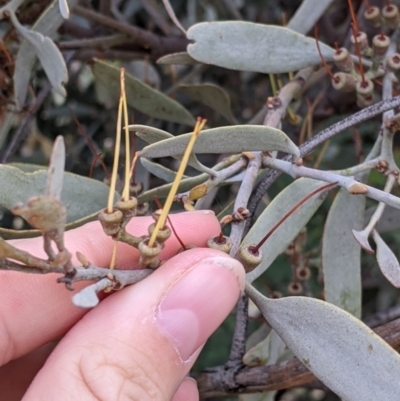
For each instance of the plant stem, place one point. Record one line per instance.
(327, 176)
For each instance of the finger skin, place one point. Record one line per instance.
(34, 309)
(121, 351)
(187, 391)
(17, 375)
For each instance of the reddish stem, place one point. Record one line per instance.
(94, 161)
(336, 44)
(367, 6)
(357, 47)
(90, 144)
(256, 248)
(325, 64)
(160, 206)
(353, 17)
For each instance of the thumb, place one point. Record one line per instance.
(140, 343)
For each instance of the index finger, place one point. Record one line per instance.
(34, 309)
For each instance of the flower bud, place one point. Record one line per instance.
(111, 222)
(393, 62)
(390, 14)
(163, 233)
(249, 257)
(186, 248)
(142, 209)
(364, 90)
(380, 44)
(362, 41)
(127, 207)
(373, 16)
(149, 254)
(343, 60)
(295, 288)
(365, 87)
(303, 273)
(344, 82)
(222, 243)
(135, 188)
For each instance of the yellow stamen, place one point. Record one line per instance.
(133, 165)
(272, 82)
(113, 255)
(168, 203)
(125, 193)
(116, 160)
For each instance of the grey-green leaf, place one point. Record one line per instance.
(153, 135)
(48, 24)
(342, 352)
(362, 238)
(387, 260)
(158, 170)
(82, 196)
(341, 254)
(309, 12)
(290, 228)
(182, 58)
(64, 9)
(212, 96)
(266, 352)
(247, 46)
(48, 54)
(140, 96)
(163, 190)
(55, 172)
(233, 139)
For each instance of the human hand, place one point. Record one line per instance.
(139, 343)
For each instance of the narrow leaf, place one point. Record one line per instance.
(246, 46)
(82, 196)
(163, 190)
(48, 54)
(64, 9)
(342, 352)
(290, 228)
(48, 24)
(55, 172)
(212, 96)
(158, 170)
(341, 254)
(309, 12)
(266, 352)
(362, 238)
(234, 139)
(153, 135)
(140, 96)
(182, 58)
(387, 260)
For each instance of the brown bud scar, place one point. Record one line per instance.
(358, 189)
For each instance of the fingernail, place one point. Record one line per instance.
(202, 212)
(198, 303)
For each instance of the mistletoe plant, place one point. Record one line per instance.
(305, 336)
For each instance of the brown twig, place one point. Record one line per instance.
(158, 45)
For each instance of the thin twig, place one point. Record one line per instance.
(324, 135)
(328, 176)
(158, 45)
(23, 130)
